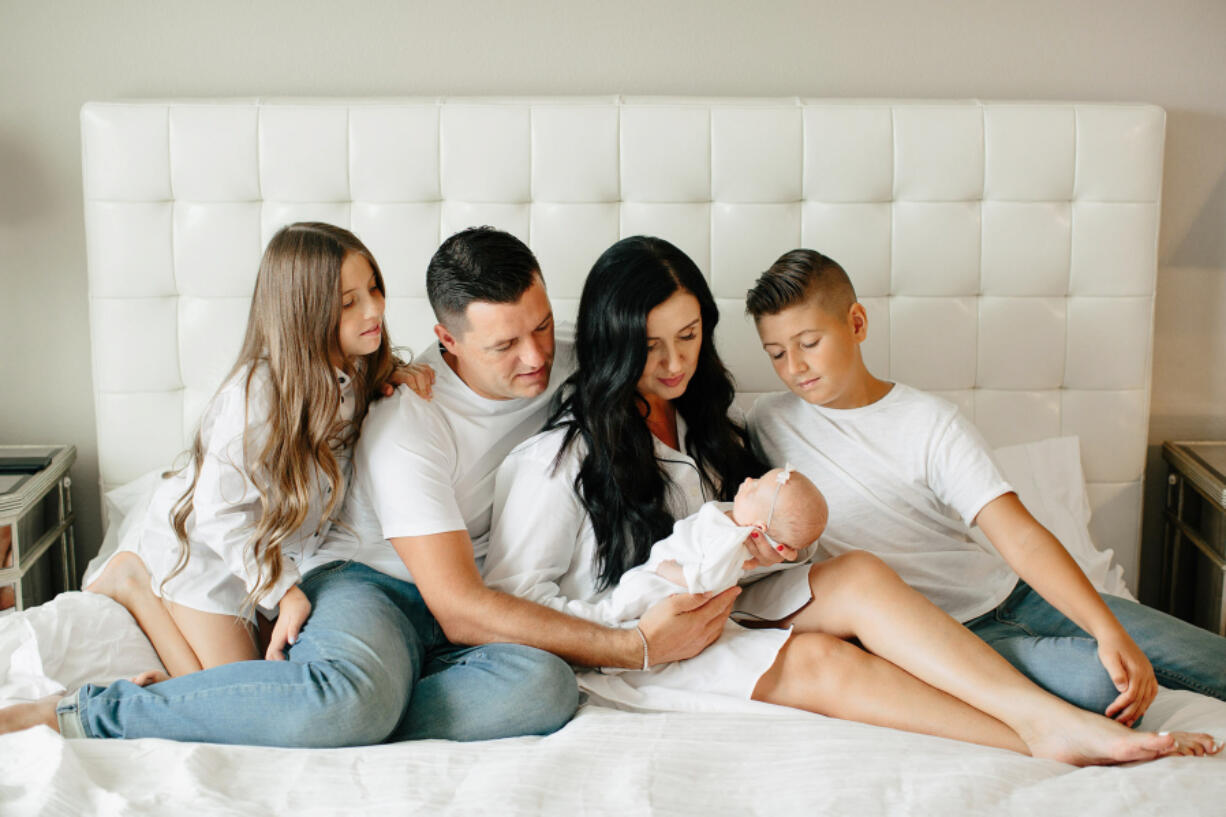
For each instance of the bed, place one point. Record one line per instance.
(1026, 231)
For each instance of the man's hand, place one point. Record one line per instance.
(684, 625)
(1132, 675)
(762, 554)
(417, 376)
(293, 612)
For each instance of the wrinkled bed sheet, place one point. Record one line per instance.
(605, 762)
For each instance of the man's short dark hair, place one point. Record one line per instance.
(796, 277)
(478, 264)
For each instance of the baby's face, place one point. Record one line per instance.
(752, 503)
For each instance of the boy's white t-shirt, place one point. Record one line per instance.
(425, 467)
(905, 478)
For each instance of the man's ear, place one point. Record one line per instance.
(444, 337)
(857, 321)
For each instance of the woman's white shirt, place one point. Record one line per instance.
(542, 548)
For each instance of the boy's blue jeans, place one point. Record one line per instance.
(1063, 659)
(371, 665)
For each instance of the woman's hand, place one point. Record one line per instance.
(763, 554)
(293, 612)
(1132, 675)
(417, 376)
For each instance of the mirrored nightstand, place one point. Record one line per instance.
(37, 553)
(1194, 542)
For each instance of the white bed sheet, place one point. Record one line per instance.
(605, 762)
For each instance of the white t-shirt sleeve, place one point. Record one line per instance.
(409, 471)
(538, 526)
(961, 472)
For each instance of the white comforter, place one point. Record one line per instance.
(605, 762)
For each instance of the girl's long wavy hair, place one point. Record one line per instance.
(620, 483)
(292, 334)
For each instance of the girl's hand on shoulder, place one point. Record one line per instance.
(417, 376)
(293, 611)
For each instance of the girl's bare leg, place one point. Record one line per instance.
(825, 674)
(215, 638)
(126, 580)
(857, 596)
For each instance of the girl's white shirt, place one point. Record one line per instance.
(542, 547)
(221, 571)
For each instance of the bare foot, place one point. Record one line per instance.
(125, 579)
(1193, 744)
(26, 716)
(1086, 739)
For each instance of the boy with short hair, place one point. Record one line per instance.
(906, 475)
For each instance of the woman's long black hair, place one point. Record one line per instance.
(620, 483)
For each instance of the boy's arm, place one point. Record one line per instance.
(1043, 563)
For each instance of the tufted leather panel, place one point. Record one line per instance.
(1006, 252)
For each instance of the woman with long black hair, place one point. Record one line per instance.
(641, 437)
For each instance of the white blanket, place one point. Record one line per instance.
(605, 762)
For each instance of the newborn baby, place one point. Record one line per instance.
(707, 550)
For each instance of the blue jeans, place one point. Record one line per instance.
(371, 665)
(1059, 656)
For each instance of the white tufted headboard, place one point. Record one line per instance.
(1006, 252)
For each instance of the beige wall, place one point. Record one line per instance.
(56, 55)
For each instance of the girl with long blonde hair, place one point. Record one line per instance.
(224, 536)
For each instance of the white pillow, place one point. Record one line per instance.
(74, 639)
(1049, 481)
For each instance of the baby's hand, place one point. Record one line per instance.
(672, 571)
(417, 376)
(762, 554)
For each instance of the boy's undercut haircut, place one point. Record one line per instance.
(796, 277)
(477, 264)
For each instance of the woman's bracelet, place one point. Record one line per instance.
(646, 657)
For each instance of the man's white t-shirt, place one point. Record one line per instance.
(425, 467)
(905, 478)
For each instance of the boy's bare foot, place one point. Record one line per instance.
(25, 716)
(125, 579)
(1194, 744)
(1086, 739)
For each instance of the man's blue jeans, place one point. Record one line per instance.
(371, 665)
(1063, 659)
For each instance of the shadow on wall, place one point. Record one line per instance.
(1194, 199)
(26, 190)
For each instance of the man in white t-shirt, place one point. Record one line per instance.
(906, 475)
(396, 591)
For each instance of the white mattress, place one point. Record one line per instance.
(604, 762)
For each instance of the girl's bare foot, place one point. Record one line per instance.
(25, 716)
(125, 579)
